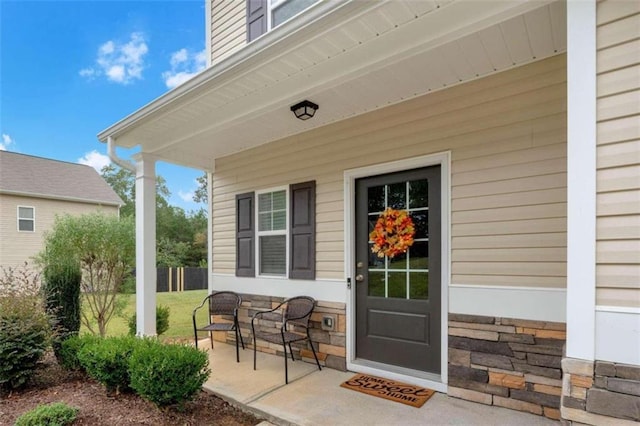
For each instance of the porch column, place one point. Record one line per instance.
(210, 231)
(581, 179)
(145, 245)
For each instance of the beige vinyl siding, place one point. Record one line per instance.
(618, 161)
(507, 136)
(17, 247)
(228, 28)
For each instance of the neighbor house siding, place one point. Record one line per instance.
(18, 247)
(618, 155)
(507, 136)
(228, 28)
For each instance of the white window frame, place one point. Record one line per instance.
(284, 232)
(33, 219)
(277, 4)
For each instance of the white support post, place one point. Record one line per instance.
(145, 245)
(210, 231)
(581, 178)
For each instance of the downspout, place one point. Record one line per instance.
(111, 151)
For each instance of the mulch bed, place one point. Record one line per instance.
(51, 383)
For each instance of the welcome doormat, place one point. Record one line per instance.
(389, 389)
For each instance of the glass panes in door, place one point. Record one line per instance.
(405, 275)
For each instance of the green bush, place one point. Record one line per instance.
(168, 374)
(162, 321)
(24, 326)
(107, 360)
(56, 414)
(61, 289)
(68, 353)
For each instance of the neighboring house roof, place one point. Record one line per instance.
(45, 178)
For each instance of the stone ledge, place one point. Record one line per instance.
(577, 366)
(558, 326)
(517, 405)
(593, 419)
(616, 405)
(506, 380)
(471, 318)
(630, 372)
(485, 327)
(552, 413)
(629, 387)
(474, 334)
(582, 381)
(531, 378)
(604, 368)
(550, 390)
(470, 395)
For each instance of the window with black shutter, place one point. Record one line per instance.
(271, 224)
(302, 253)
(245, 249)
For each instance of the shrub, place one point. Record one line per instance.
(68, 353)
(107, 360)
(168, 374)
(24, 327)
(61, 289)
(162, 321)
(56, 414)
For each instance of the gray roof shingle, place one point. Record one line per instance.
(43, 177)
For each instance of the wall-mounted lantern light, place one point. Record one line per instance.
(304, 110)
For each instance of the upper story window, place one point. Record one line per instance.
(26, 219)
(263, 15)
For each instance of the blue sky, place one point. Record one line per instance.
(69, 69)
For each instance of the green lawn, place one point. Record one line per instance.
(181, 305)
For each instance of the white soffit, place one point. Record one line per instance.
(355, 60)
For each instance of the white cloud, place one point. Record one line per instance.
(186, 196)
(184, 65)
(95, 160)
(6, 141)
(119, 62)
(179, 57)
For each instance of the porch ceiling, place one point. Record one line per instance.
(358, 57)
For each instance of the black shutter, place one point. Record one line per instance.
(256, 19)
(302, 258)
(245, 238)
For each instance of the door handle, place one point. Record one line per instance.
(359, 277)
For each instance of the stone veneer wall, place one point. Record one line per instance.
(507, 362)
(330, 345)
(600, 393)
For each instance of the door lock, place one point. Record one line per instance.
(359, 277)
(359, 265)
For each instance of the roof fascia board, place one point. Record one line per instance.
(284, 31)
(60, 198)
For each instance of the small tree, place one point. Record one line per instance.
(104, 247)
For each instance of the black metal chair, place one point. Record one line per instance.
(296, 312)
(224, 303)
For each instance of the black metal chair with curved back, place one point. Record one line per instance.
(296, 312)
(225, 303)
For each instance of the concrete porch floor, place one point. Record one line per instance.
(315, 397)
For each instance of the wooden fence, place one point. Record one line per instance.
(182, 279)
